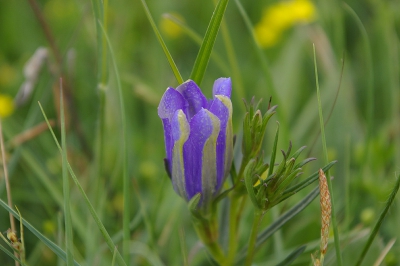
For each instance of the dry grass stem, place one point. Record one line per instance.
(7, 181)
(29, 134)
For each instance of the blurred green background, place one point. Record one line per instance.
(362, 102)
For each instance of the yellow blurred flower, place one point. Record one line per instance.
(169, 27)
(280, 17)
(303, 11)
(6, 105)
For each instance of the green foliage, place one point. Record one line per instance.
(112, 130)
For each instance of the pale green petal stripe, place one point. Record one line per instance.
(228, 133)
(178, 169)
(209, 166)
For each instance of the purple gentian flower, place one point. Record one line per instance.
(198, 138)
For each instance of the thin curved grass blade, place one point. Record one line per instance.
(50, 244)
(144, 251)
(5, 250)
(93, 212)
(162, 43)
(309, 180)
(282, 220)
(292, 256)
(200, 65)
(325, 151)
(379, 222)
(198, 40)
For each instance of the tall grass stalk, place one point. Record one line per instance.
(370, 79)
(102, 229)
(7, 181)
(162, 43)
(232, 58)
(51, 245)
(124, 155)
(100, 9)
(283, 116)
(379, 222)
(69, 240)
(198, 40)
(200, 65)
(22, 236)
(325, 150)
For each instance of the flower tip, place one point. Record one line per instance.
(170, 102)
(222, 86)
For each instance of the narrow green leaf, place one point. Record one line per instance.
(273, 155)
(288, 179)
(162, 43)
(304, 162)
(22, 253)
(100, 9)
(125, 177)
(221, 63)
(69, 243)
(379, 222)
(369, 75)
(144, 251)
(183, 246)
(102, 229)
(114, 257)
(204, 54)
(309, 180)
(325, 149)
(283, 219)
(51, 245)
(192, 205)
(264, 63)
(292, 256)
(298, 152)
(10, 254)
(248, 181)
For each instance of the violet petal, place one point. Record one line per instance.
(222, 86)
(195, 99)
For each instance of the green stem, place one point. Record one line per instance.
(245, 161)
(69, 243)
(258, 216)
(336, 237)
(233, 225)
(124, 152)
(235, 212)
(207, 230)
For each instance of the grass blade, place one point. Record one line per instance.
(125, 177)
(69, 243)
(369, 76)
(309, 180)
(50, 244)
(102, 229)
(273, 155)
(162, 43)
(144, 251)
(265, 67)
(198, 40)
(5, 250)
(283, 219)
(379, 222)
(333, 213)
(292, 256)
(200, 65)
